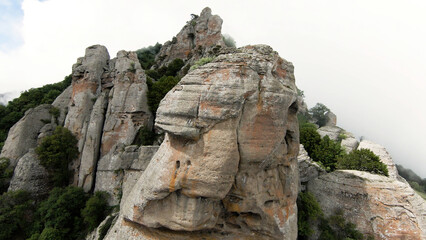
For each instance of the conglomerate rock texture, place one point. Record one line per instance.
(227, 168)
(381, 206)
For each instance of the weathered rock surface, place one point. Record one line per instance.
(117, 173)
(331, 119)
(199, 36)
(62, 102)
(228, 162)
(90, 152)
(378, 205)
(86, 87)
(308, 169)
(23, 135)
(349, 143)
(331, 131)
(383, 154)
(127, 109)
(30, 176)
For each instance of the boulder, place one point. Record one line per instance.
(332, 132)
(61, 103)
(383, 154)
(31, 176)
(24, 134)
(201, 35)
(331, 119)
(228, 162)
(308, 169)
(378, 205)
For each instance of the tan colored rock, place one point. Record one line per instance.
(378, 205)
(308, 169)
(127, 108)
(349, 143)
(24, 134)
(199, 36)
(62, 102)
(383, 154)
(332, 132)
(86, 87)
(90, 152)
(31, 176)
(228, 162)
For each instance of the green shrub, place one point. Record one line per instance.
(16, 208)
(96, 210)
(62, 211)
(159, 89)
(104, 228)
(6, 173)
(51, 234)
(146, 56)
(336, 227)
(308, 211)
(201, 62)
(56, 152)
(144, 137)
(327, 152)
(309, 137)
(362, 160)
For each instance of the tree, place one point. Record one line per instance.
(56, 152)
(308, 211)
(319, 114)
(147, 55)
(363, 160)
(95, 211)
(309, 137)
(159, 89)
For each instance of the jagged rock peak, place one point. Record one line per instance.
(227, 168)
(199, 36)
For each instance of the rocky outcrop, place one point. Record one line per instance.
(349, 142)
(332, 132)
(378, 205)
(24, 134)
(31, 176)
(228, 162)
(383, 154)
(120, 169)
(201, 35)
(331, 119)
(61, 103)
(308, 169)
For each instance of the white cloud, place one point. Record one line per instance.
(363, 59)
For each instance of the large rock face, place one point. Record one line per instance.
(24, 134)
(228, 162)
(378, 205)
(199, 36)
(31, 176)
(308, 169)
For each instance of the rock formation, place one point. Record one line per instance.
(227, 166)
(378, 205)
(308, 169)
(24, 134)
(197, 38)
(30, 176)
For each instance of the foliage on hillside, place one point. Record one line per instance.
(415, 181)
(147, 55)
(15, 109)
(362, 160)
(334, 227)
(56, 152)
(6, 173)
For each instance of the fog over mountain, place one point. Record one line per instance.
(364, 60)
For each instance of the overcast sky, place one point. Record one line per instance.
(365, 60)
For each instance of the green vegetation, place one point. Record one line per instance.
(95, 211)
(416, 182)
(159, 89)
(104, 228)
(229, 41)
(201, 62)
(308, 212)
(324, 151)
(147, 55)
(334, 227)
(144, 137)
(6, 173)
(16, 108)
(15, 214)
(362, 160)
(171, 70)
(56, 152)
